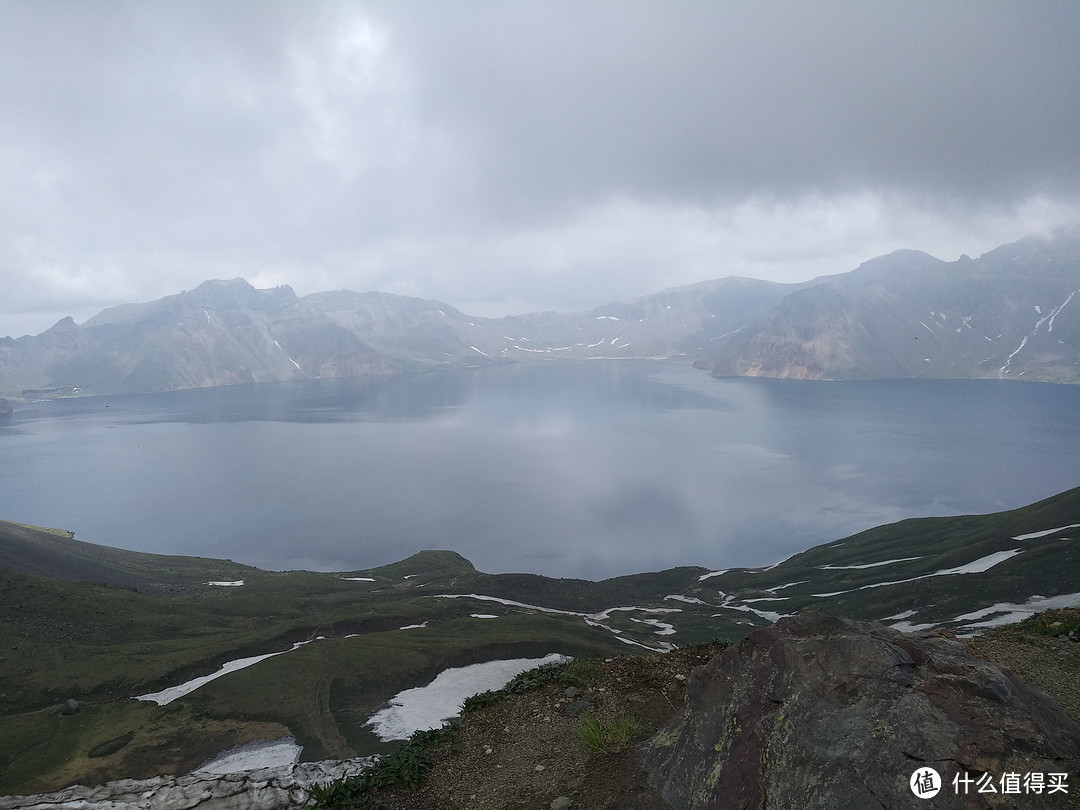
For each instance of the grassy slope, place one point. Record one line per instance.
(1046, 566)
(144, 622)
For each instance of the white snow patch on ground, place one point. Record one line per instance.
(428, 706)
(704, 577)
(1045, 532)
(663, 648)
(1004, 369)
(477, 350)
(483, 616)
(233, 584)
(787, 585)
(1010, 612)
(690, 600)
(979, 565)
(831, 567)
(255, 756)
(508, 602)
(767, 615)
(664, 629)
(413, 626)
(591, 619)
(907, 614)
(1056, 312)
(359, 579)
(604, 615)
(908, 627)
(166, 696)
(974, 567)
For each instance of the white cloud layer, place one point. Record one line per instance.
(514, 157)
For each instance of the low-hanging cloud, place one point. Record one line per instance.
(508, 157)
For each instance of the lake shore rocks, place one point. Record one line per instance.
(265, 789)
(827, 712)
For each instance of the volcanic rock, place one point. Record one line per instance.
(826, 712)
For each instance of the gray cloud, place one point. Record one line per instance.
(518, 156)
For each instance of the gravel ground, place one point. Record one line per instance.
(1050, 663)
(524, 753)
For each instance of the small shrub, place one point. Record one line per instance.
(608, 735)
(533, 678)
(1055, 623)
(481, 699)
(342, 793)
(408, 764)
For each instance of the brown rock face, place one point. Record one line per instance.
(824, 712)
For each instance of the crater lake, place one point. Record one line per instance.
(572, 469)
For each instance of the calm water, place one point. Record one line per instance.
(587, 469)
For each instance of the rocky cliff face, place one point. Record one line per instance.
(824, 712)
(1011, 313)
(221, 333)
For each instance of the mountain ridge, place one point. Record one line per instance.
(1011, 313)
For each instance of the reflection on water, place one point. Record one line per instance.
(567, 468)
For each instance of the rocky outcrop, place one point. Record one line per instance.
(267, 789)
(825, 712)
(1007, 314)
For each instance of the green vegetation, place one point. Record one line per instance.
(1054, 623)
(1048, 565)
(145, 622)
(582, 672)
(608, 735)
(407, 765)
(102, 625)
(522, 682)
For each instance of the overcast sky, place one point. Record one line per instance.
(508, 157)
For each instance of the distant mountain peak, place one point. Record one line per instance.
(238, 292)
(63, 325)
(1013, 312)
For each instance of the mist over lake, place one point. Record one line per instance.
(587, 469)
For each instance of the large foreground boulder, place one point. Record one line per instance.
(824, 712)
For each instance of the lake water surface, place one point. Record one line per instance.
(588, 469)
